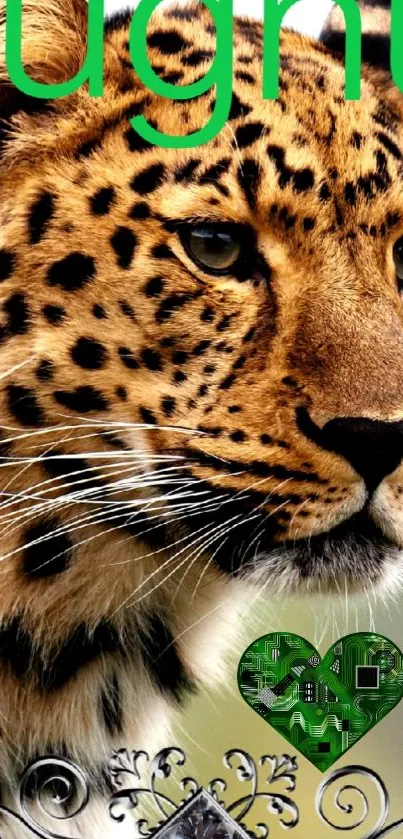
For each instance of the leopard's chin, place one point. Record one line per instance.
(362, 553)
(354, 556)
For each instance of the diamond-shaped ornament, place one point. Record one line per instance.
(201, 818)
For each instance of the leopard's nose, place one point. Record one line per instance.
(374, 448)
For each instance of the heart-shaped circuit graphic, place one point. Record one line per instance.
(322, 706)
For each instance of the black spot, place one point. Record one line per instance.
(356, 140)
(86, 149)
(162, 659)
(277, 155)
(186, 172)
(197, 57)
(7, 264)
(245, 77)
(180, 357)
(102, 200)
(238, 109)
(17, 312)
(23, 405)
(238, 436)
(179, 377)
(140, 211)
(324, 192)
(248, 178)
(168, 42)
(136, 142)
(386, 117)
(74, 471)
(308, 223)
(168, 404)
(73, 272)
(152, 359)
(83, 399)
(240, 362)
(392, 219)
(16, 647)
(98, 311)
(350, 194)
(170, 305)
(128, 359)
(181, 14)
(249, 133)
(173, 78)
(124, 243)
(286, 218)
(52, 553)
(89, 354)
(154, 287)
(149, 179)
(214, 172)
(45, 370)
(127, 310)
(201, 348)
(81, 647)
(40, 214)
(303, 180)
(207, 315)
(148, 417)
(53, 314)
(224, 323)
(209, 369)
(210, 430)
(162, 252)
(111, 707)
(228, 382)
(389, 145)
(121, 393)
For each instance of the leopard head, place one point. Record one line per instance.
(202, 349)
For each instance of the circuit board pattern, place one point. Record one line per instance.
(323, 707)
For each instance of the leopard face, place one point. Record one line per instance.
(231, 315)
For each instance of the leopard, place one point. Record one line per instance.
(201, 371)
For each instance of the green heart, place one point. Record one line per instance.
(322, 706)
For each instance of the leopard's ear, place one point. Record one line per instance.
(53, 49)
(376, 22)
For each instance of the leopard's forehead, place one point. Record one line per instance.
(308, 158)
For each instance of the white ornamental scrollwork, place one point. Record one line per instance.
(124, 765)
(57, 788)
(54, 791)
(351, 803)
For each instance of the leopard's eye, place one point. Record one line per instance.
(398, 257)
(215, 248)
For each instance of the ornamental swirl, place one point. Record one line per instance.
(345, 793)
(58, 787)
(54, 789)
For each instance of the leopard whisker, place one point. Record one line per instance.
(168, 576)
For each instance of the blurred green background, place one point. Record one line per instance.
(218, 720)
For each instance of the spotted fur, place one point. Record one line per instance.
(169, 437)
